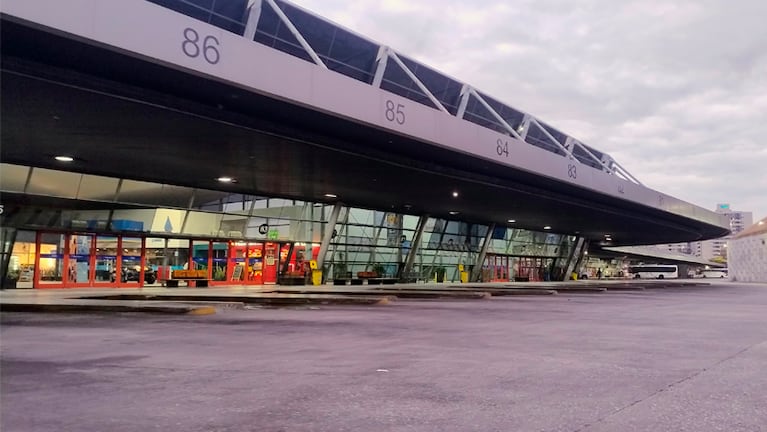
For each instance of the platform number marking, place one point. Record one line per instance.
(208, 47)
(620, 189)
(572, 171)
(502, 148)
(395, 112)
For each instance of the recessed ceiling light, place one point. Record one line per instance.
(511, 220)
(64, 158)
(547, 227)
(607, 235)
(455, 194)
(225, 179)
(331, 196)
(453, 212)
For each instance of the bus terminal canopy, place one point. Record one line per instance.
(651, 253)
(185, 102)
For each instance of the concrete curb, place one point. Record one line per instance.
(71, 307)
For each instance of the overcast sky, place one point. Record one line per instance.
(675, 91)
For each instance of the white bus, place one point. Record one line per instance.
(654, 271)
(715, 273)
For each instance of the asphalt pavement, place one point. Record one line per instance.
(675, 358)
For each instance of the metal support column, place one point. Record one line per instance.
(328, 234)
(571, 260)
(251, 23)
(476, 272)
(414, 246)
(7, 240)
(578, 255)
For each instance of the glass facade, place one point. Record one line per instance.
(226, 14)
(134, 234)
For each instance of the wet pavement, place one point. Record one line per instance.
(671, 357)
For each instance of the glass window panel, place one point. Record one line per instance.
(443, 88)
(97, 188)
(178, 255)
(318, 33)
(204, 223)
(154, 255)
(154, 194)
(13, 177)
(133, 219)
(228, 15)
(478, 114)
(106, 258)
(131, 271)
(85, 219)
(509, 115)
(233, 226)
(538, 138)
(176, 196)
(396, 81)
(139, 192)
(51, 258)
(54, 183)
(271, 32)
(200, 254)
(220, 260)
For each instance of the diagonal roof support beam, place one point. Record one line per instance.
(495, 114)
(304, 44)
(411, 75)
(465, 95)
(381, 60)
(593, 156)
(551, 137)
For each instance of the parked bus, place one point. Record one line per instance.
(654, 271)
(715, 273)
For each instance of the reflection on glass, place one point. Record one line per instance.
(106, 258)
(200, 254)
(51, 258)
(154, 258)
(79, 258)
(220, 258)
(131, 271)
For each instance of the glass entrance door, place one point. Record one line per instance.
(131, 262)
(271, 262)
(49, 269)
(106, 260)
(498, 265)
(79, 264)
(246, 263)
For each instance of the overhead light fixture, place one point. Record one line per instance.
(453, 212)
(225, 179)
(511, 221)
(64, 158)
(547, 227)
(607, 235)
(455, 194)
(329, 195)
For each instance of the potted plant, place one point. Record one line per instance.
(10, 280)
(440, 272)
(379, 269)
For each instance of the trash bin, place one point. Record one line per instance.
(463, 274)
(464, 277)
(316, 277)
